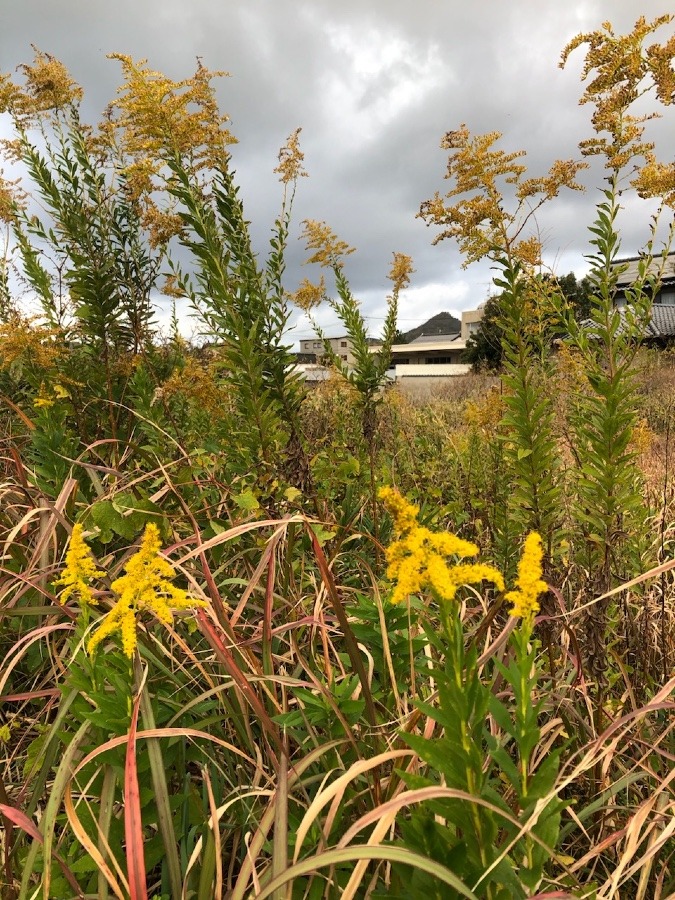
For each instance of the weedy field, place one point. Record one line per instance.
(263, 641)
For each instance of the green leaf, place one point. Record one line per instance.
(246, 501)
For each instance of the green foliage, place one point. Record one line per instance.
(484, 348)
(500, 849)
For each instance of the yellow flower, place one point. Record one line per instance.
(400, 272)
(403, 513)
(419, 558)
(529, 582)
(42, 403)
(290, 159)
(80, 569)
(146, 586)
(329, 249)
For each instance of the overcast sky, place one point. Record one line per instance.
(374, 84)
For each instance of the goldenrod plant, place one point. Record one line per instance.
(367, 373)
(608, 507)
(486, 225)
(499, 849)
(174, 133)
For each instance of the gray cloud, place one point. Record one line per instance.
(374, 87)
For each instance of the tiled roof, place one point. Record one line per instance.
(442, 339)
(661, 323)
(665, 267)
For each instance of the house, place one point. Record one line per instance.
(314, 350)
(433, 353)
(665, 268)
(428, 361)
(661, 327)
(471, 319)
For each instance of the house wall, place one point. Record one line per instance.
(470, 321)
(341, 346)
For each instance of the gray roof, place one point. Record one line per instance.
(666, 269)
(434, 339)
(661, 323)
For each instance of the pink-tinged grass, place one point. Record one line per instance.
(21, 820)
(133, 821)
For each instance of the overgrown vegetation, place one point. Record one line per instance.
(387, 649)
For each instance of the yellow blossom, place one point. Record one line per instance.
(618, 70)
(309, 295)
(146, 586)
(329, 249)
(23, 342)
(48, 89)
(403, 513)
(529, 582)
(80, 569)
(290, 160)
(43, 402)
(475, 211)
(400, 272)
(419, 558)
(159, 117)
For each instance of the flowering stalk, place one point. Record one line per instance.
(79, 571)
(501, 844)
(146, 586)
(418, 559)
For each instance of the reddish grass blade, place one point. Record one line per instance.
(19, 412)
(133, 826)
(350, 641)
(21, 820)
(239, 678)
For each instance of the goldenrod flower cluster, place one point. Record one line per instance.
(329, 249)
(400, 272)
(145, 586)
(474, 211)
(620, 70)
(80, 569)
(529, 584)
(419, 558)
(290, 160)
(48, 88)
(158, 116)
(309, 295)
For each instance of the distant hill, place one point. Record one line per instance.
(441, 323)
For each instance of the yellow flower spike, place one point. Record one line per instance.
(529, 584)
(419, 558)
(145, 586)
(80, 569)
(403, 513)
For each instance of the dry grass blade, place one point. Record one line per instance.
(350, 854)
(335, 791)
(348, 635)
(119, 887)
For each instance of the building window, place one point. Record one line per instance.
(344, 358)
(343, 343)
(316, 344)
